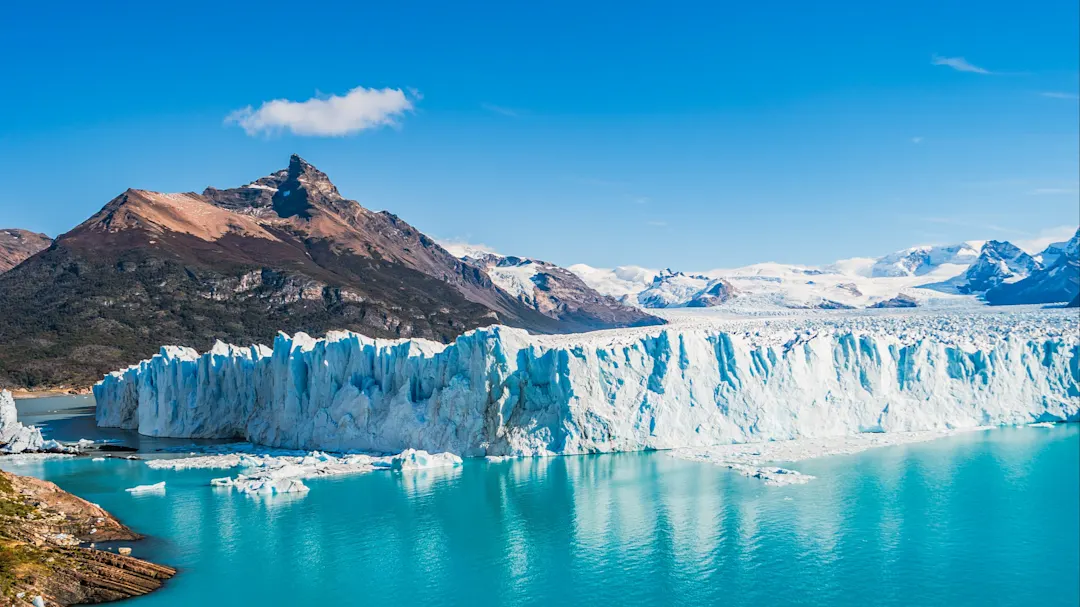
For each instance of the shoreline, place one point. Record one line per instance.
(24, 394)
(46, 544)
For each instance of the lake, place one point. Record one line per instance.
(976, 519)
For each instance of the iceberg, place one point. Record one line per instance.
(411, 459)
(499, 391)
(141, 489)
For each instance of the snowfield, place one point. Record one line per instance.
(698, 382)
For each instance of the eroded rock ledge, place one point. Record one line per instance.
(41, 529)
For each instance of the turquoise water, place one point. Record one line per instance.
(987, 518)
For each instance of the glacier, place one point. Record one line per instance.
(16, 437)
(499, 391)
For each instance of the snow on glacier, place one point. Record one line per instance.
(499, 391)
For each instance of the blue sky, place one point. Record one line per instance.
(690, 135)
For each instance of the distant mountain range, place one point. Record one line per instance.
(286, 252)
(994, 272)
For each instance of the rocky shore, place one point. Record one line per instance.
(43, 532)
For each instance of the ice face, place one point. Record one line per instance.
(14, 436)
(500, 391)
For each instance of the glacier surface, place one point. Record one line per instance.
(499, 391)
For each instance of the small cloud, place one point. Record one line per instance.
(916, 140)
(498, 109)
(335, 116)
(657, 224)
(642, 200)
(1046, 238)
(1060, 95)
(959, 64)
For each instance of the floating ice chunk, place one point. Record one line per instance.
(1041, 425)
(141, 489)
(773, 476)
(412, 459)
(98, 459)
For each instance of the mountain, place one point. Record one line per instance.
(998, 262)
(16, 245)
(916, 276)
(286, 252)
(1057, 282)
(671, 289)
(921, 260)
(554, 291)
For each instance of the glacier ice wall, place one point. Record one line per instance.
(499, 391)
(14, 436)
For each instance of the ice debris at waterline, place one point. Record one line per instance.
(500, 391)
(271, 473)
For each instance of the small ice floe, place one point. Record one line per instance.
(142, 489)
(98, 459)
(412, 459)
(264, 484)
(1041, 425)
(776, 477)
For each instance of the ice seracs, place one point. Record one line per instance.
(500, 391)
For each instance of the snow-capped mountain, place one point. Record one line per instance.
(549, 289)
(676, 289)
(922, 260)
(1056, 282)
(998, 262)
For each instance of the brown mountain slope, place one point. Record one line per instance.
(16, 245)
(286, 253)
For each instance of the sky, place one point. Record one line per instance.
(690, 135)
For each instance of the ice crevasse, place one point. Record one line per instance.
(500, 391)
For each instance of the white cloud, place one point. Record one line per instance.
(498, 109)
(334, 116)
(959, 64)
(1060, 95)
(916, 140)
(658, 224)
(1046, 237)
